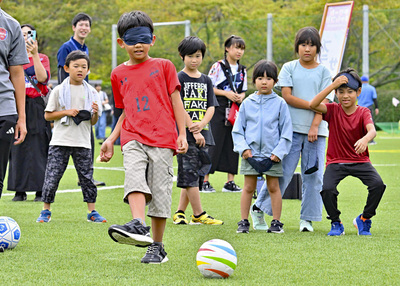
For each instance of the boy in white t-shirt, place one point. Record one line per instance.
(73, 107)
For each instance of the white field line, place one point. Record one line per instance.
(106, 168)
(79, 189)
(387, 138)
(121, 186)
(71, 190)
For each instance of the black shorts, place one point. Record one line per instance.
(192, 166)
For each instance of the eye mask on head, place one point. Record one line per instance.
(262, 165)
(137, 35)
(353, 83)
(82, 116)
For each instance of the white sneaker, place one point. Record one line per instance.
(258, 219)
(306, 225)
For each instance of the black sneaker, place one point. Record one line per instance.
(276, 226)
(98, 183)
(19, 197)
(231, 187)
(207, 188)
(243, 226)
(38, 197)
(132, 233)
(155, 254)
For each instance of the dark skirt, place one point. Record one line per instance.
(222, 156)
(27, 164)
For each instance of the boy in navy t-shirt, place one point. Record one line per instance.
(199, 102)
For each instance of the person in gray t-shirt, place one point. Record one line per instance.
(12, 88)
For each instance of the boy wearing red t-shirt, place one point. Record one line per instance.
(350, 129)
(148, 91)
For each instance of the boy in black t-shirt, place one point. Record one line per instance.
(199, 101)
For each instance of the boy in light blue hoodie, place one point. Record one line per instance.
(262, 135)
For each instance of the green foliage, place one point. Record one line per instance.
(52, 20)
(214, 21)
(387, 111)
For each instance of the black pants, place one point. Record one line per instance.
(28, 160)
(7, 128)
(57, 164)
(223, 158)
(334, 173)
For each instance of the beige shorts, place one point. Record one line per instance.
(149, 170)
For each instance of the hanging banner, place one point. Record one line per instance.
(334, 31)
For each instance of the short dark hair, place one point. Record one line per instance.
(29, 26)
(189, 45)
(76, 55)
(307, 35)
(81, 17)
(133, 19)
(352, 72)
(265, 67)
(235, 40)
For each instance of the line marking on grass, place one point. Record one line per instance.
(101, 168)
(383, 151)
(75, 190)
(106, 168)
(388, 138)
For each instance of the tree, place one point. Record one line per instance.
(213, 21)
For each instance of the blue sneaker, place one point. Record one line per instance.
(45, 216)
(362, 226)
(337, 229)
(94, 216)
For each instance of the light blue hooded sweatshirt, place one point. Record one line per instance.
(264, 126)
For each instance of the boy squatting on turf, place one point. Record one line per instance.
(350, 129)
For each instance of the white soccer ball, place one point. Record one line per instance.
(10, 233)
(216, 258)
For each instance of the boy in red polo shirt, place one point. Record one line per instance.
(147, 89)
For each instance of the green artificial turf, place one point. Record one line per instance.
(71, 251)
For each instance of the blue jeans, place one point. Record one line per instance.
(100, 126)
(311, 205)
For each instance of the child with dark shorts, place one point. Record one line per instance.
(199, 101)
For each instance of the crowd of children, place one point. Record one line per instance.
(165, 113)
